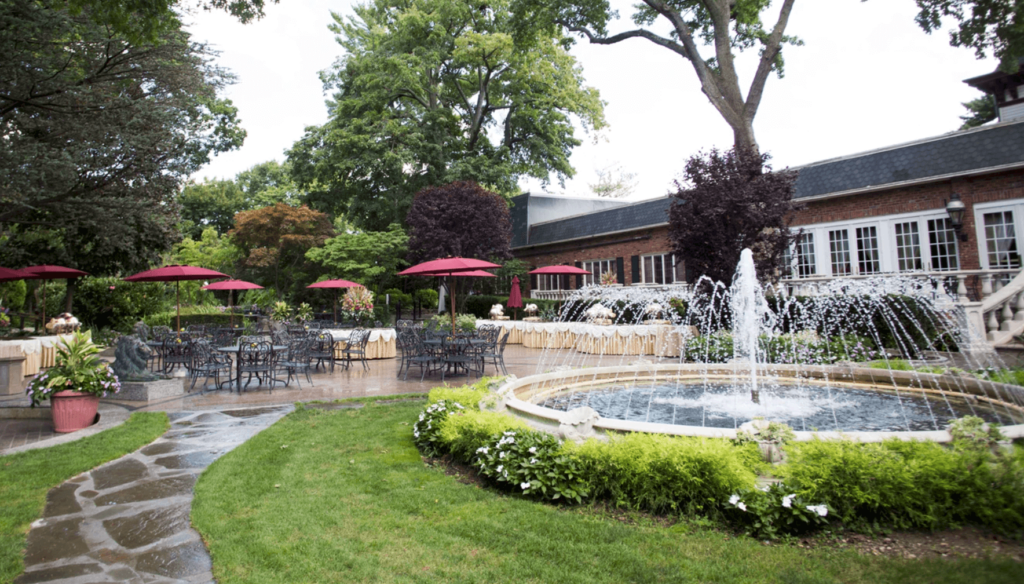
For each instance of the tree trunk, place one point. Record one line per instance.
(70, 296)
(743, 137)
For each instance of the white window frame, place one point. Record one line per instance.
(981, 209)
(549, 282)
(886, 232)
(588, 265)
(668, 268)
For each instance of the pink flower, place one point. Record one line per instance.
(112, 287)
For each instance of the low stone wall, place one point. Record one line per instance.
(149, 390)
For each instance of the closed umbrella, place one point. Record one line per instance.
(515, 297)
(335, 284)
(46, 272)
(176, 274)
(230, 285)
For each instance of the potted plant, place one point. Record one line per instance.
(75, 384)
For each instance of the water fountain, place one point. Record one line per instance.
(727, 355)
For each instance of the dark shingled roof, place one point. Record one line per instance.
(958, 152)
(636, 216)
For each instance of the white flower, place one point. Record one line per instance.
(533, 461)
(501, 467)
(508, 433)
(742, 506)
(533, 450)
(416, 434)
(482, 450)
(502, 455)
(458, 405)
(511, 440)
(763, 489)
(787, 501)
(734, 499)
(421, 417)
(524, 485)
(821, 510)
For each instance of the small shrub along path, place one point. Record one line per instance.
(27, 477)
(344, 496)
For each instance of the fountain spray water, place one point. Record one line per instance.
(749, 311)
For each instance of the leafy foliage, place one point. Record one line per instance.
(532, 463)
(366, 257)
(979, 111)
(211, 250)
(460, 219)
(100, 133)
(982, 25)
(76, 368)
(433, 91)
(274, 241)
(114, 303)
(730, 201)
(772, 511)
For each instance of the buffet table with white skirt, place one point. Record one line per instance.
(380, 346)
(39, 352)
(658, 340)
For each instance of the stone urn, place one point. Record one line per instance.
(73, 410)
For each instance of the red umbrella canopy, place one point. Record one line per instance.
(515, 296)
(7, 275)
(440, 267)
(572, 270)
(54, 272)
(232, 285)
(174, 274)
(468, 274)
(335, 284)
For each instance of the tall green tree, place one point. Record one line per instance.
(979, 111)
(431, 91)
(99, 132)
(987, 26)
(214, 203)
(371, 258)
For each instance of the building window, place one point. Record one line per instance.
(839, 250)
(596, 268)
(1001, 240)
(867, 250)
(908, 247)
(660, 269)
(942, 245)
(550, 282)
(805, 255)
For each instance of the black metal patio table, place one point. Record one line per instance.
(233, 351)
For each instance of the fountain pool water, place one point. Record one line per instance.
(704, 360)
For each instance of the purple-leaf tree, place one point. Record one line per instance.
(729, 201)
(459, 219)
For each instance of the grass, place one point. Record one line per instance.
(26, 477)
(343, 496)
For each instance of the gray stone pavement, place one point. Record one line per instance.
(128, 520)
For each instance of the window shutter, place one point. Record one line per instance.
(533, 283)
(635, 263)
(620, 271)
(579, 279)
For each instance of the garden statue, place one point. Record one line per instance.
(531, 309)
(600, 314)
(130, 358)
(141, 330)
(498, 312)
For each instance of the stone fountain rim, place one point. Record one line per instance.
(550, 419)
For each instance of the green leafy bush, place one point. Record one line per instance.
(443, 322)
(395, 295)
(426, 431)
(211, 316)
(769, 512)
(466, 430)
(804, 348)
(427, 297)
(667, 474)
(971, 432)
(114, 303)
(532, 463)
(909, 484)
(13, 294)
(467, 395)
(480, 305)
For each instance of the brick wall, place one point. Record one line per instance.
(972, 190)
(623, 245)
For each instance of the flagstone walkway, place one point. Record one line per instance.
(128, 520)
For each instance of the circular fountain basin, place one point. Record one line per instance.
(868, 405)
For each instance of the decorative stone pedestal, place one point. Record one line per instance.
(150, 390)
(12, 375)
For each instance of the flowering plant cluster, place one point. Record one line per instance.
(426, 432)
(77, 368)
(357, 300)
(5, 321)
(608, 278)
(534, 464)
(775, 510)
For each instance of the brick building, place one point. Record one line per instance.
(882, 211)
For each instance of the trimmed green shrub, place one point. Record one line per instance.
(467, 430)
(480, 306)
(197, 315)
(667, 474)
(426, 297)
(768, 512)
(395, 295)
(13, 294)
(467, 395)
(532, 463)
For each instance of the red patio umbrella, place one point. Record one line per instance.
(515, 297)
(445, 267)
(335, 284)
(9, 275)
(230, 285)
(176, 274)
(46, 272)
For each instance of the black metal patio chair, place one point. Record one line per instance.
(298, 360)
(257, 358)
(207, 361)
(496, 353)
(177, 351)
(355, 348)
(418, 354)
(323, 349)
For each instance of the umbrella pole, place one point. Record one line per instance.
(231, 312)
(177, 304)
(451, 294)
(335, 306)
(44, 307)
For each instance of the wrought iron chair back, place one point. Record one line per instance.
(256, 358)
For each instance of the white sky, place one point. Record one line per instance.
(867, 77)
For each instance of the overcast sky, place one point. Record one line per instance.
(867, 77)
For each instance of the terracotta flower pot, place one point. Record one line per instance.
(73, 410)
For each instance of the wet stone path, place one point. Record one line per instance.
(128, 521)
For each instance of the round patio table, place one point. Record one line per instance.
(233, 351)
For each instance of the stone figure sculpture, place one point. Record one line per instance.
(130, 357)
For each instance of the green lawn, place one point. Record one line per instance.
(26, 477)
(343, 496)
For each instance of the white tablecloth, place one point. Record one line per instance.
(39, 352)
(381, 344)
(641, 339)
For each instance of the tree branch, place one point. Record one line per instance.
(764, 68)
